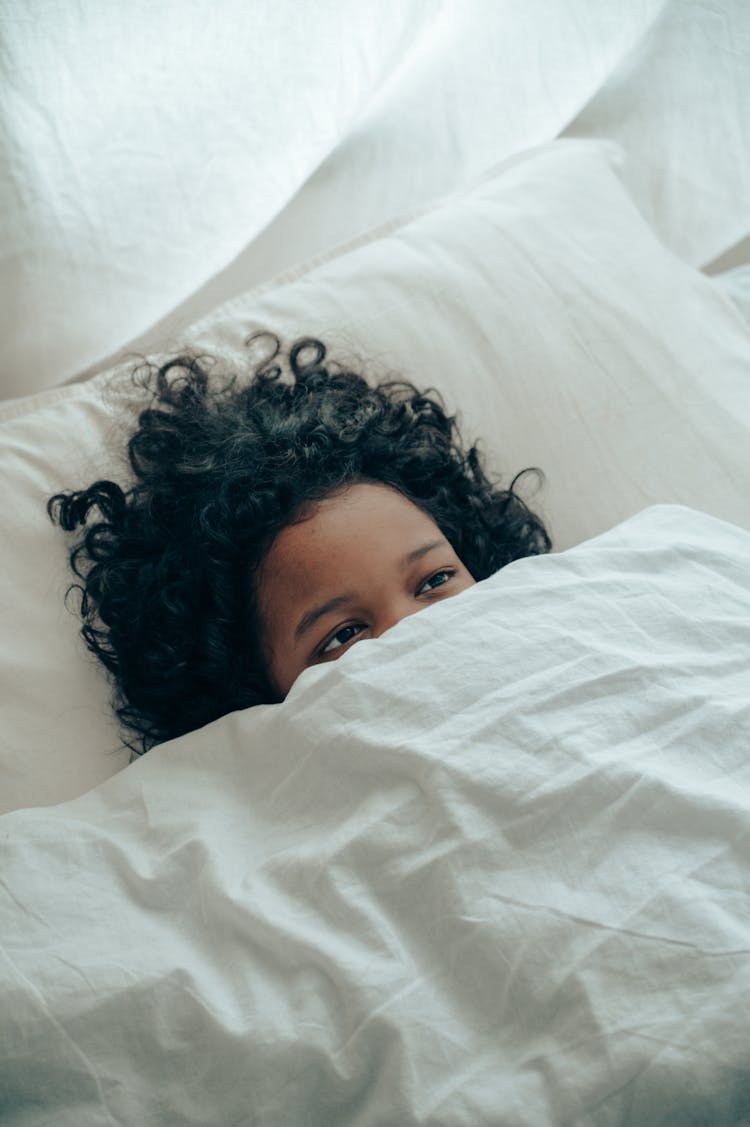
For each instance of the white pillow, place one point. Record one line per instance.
(488, 868)
(541, 305)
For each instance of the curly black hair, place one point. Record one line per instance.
(169, 599)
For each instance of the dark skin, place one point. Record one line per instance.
(354, 546)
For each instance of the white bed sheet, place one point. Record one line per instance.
(490, 868)
(161, 159)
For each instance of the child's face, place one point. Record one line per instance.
(363, 561)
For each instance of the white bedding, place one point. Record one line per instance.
(156, 160)
(491, 868)
(537, 302)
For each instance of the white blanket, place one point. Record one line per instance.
(491, 868)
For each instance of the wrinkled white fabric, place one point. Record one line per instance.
(736, 285)
(143, 145)
(537, 302)
(158, 159)
(488, 868)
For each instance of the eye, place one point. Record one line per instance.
(329, 648)
(446, 572)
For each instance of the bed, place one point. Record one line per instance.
(492, 866)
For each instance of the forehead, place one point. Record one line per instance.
(376, 515)
(342, 538)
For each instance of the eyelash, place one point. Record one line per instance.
(449, 571)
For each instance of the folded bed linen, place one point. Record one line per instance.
(160, 159)
(490, 867)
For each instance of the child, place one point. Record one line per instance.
(272, 524)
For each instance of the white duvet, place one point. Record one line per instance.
(492, 868)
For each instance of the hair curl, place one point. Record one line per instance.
(169, 598)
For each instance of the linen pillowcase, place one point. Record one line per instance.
(537, 301)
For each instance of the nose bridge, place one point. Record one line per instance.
(398, 607)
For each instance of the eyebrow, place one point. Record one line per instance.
(310, 617)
